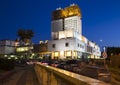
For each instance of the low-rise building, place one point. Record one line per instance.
(7, 48)
(41, 50)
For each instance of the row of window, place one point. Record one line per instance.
(54, 45)
(67, 45)
(81, 46)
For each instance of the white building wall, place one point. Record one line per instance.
(80, 46)
(7, 43)
(66, 34)
(2, 49)
(73, 22)
(60, 45)
(7, 46)
(57, 25)
(7, 50)
(55, 35)
(77, 35)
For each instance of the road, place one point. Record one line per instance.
(24, 75)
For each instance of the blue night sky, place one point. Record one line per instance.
(100, 19)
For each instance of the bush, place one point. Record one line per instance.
(115, 61)
(6, 64)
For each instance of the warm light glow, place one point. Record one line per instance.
(68, 53)
(91, 44)
(22, 49)
(84, 39)
(33, 54)
(65, 34)
(9, 57)
(5, 55)
(41, 42)
(46, 41)
(92, 56)
(16, 58)
(74, 53)
(56, 54)
(88, 56)
(62, 35)
(96, 57)
(61, 53)
(69, 33)
(72, 10)
(12, 56)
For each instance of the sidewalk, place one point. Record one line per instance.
(23, 76)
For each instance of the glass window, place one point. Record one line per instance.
(66, 44)
(53, 45)
(78, 44)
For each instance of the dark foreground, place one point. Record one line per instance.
(24, 75)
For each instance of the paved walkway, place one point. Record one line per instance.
(23, 76)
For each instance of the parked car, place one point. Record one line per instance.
(62, 65)
(55, 63)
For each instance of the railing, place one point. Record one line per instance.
(48, 75)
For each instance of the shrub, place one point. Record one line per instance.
(6, 64)
(115, 61)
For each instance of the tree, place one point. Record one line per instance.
(25, 35)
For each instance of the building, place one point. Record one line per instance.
(41, 50)
(7, 47)
(67, 39)
(24, 51)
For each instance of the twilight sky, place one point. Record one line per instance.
(100, 19)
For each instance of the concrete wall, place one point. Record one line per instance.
(48, 75)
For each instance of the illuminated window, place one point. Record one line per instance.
(53, 45)
(66, 44)
(68, 53)
(56, 54)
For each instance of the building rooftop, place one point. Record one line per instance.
(72, 10)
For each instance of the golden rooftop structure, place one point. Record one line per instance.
(72, 10)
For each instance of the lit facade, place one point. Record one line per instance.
(7, 47)
(67, 39)
(42, 50)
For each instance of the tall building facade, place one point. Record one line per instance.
(67, 39)
(66, 23)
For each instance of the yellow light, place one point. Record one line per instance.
(5, 55)
(46, 41)
(21, 49)
(16, 58)
(68, 53)
(33, 54)
(56, 54)
(9, 58)
(92, 56)
(12, 56)
(41, 42)
(74, 53)
(61, 53)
